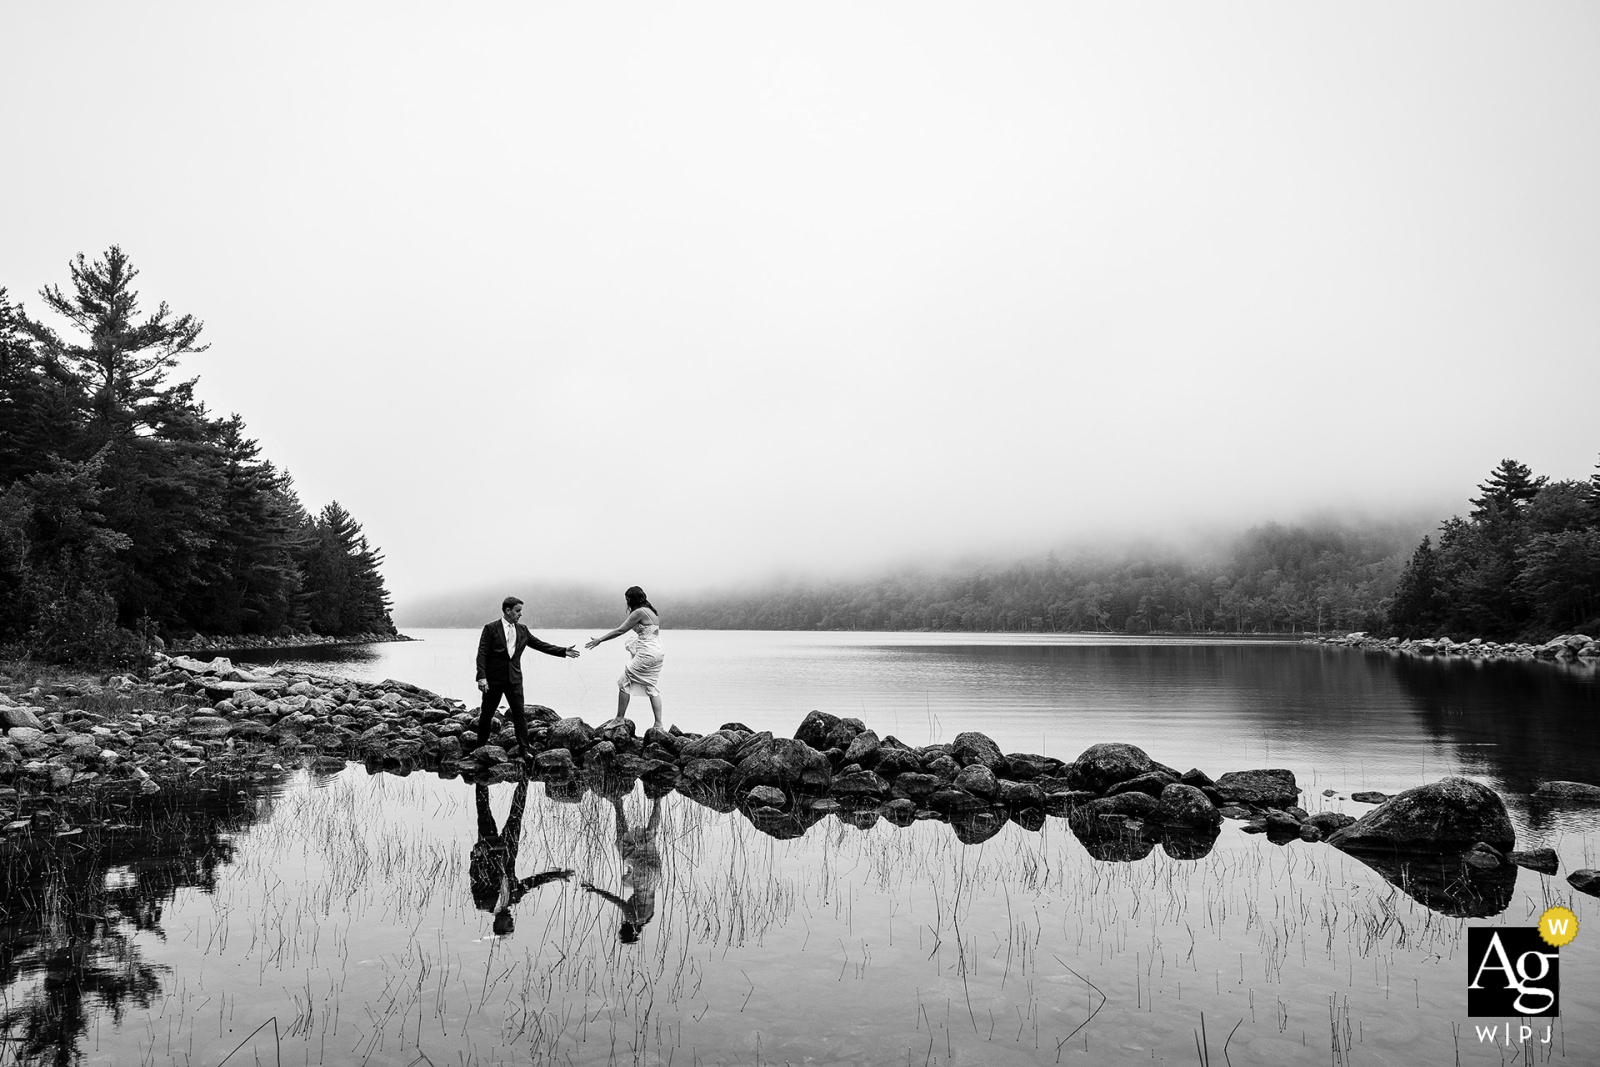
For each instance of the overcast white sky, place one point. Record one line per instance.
(686, 293)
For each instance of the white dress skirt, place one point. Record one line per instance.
(644, 662)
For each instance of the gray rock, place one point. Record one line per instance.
(554, 763)
(817, 730)
(1329, 821)
(706, 773)
(1187, 807)
(209, 726)
(768, 795)
(860, 785)
(1267, 788)
(13, 717)
(24, 735)
(977, 779)
(972, 747)
(916, 785)
(1019, 795)
(787, 763)
(719, 746)
(1152, 782)
(1585, 881)
(572, 734)
(1568, 791)
(1128, 805)
(1026, 766)
(893, 762)
(1369, 796)
(1543, 860)
(1102, 766)
(1452, 813)
(863, 749)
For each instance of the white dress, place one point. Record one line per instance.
(644, 664)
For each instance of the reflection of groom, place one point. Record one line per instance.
(500, 669)
(492, 870)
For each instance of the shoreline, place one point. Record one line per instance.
(77, 749)
(250, 643)
(1569, 648)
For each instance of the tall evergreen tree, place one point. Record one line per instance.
(1416, 610)
(344, 592)
(121, 360)
(1509, 486)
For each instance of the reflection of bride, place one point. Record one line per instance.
(492, 870)
(641, 872)
(644, 666)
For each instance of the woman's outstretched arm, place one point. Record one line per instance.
(618, 901)
(627, 624)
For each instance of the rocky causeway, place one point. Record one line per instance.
(70, 748)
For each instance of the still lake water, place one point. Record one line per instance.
(330, 918)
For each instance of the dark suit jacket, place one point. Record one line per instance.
(502, 667)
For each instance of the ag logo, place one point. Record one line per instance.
(1511, 970)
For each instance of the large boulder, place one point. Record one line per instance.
(1272, 787)
(1444, 816)
(572, 734)
(1186, 807)
(815, 728)
(972, 747)
(863, 749)
(787, 763)
(719, 746)
(1102, 766)
(978, 780)
(893, 761)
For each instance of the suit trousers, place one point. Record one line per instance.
(491, 700)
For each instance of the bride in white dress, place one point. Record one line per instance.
(644, 665)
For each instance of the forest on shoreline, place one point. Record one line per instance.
(129, 512)
(1524, 564)
(1272, 579)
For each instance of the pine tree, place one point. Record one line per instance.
(121, 361)
(1509, 486)
(1415, 609)
(344, 591)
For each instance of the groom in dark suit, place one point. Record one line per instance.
(500, 669)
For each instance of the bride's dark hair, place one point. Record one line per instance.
(636, 598)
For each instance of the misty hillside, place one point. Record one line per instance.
(1271, 579)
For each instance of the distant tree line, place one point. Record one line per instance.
(127, 510)
(1523, 565)
(1272, 579)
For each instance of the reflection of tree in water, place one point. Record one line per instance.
(1518, 723)
(70, 907)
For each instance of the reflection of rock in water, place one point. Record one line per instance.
(783, 825)
(978, 827)
(1123, 828)
(1447, 884)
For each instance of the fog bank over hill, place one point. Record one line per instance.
(1324, 572)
